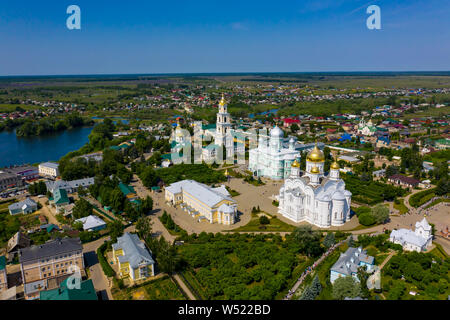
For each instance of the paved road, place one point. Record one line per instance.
(101, 282)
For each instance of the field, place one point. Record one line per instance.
(432, 112)
(159, 289)
(12, 107)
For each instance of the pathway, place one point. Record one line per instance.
(184, 287)
(387, 259)
(101, 282)
(310, 270)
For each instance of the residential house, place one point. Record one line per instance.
(442, 144)
(17, 242)
(133, 258)
(128, 191)
(92, 223)
(23, 207)
(349, 262)
(59, 199)
(379, 173)
(45, 266)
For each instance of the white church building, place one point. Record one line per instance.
(366, 128)
(314, 197)
(270, 158)
(418, 240)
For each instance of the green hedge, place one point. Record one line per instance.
(109, 272)
(418, 199)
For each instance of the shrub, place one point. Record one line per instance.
(264, 220)
(109, 272)
(366, 219)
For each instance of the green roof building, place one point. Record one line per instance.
(86, 292)
(2, 263)
(126, 190)
(60, 197)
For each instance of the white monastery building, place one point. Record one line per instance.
(319, 199)
(203, 202)
(418, 240)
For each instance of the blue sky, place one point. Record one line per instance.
(146, 36)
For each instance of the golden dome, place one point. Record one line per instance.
(296, 164)
(316, 155)
(222, 101)
(315, 170)
(335, 166)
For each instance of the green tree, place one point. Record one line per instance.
(82, 208)
(329, 240)
(144, 228)
(366, 219)
(115, 230)
(346, 287)
(264, 220)
(380, 213)
(146, 206)
(362, 277)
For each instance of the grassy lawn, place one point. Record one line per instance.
(159, 289)
(439, 251)
(275, 225)
(401, 207)
(4, 205)
(233, 192)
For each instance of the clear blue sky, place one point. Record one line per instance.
(146, 36)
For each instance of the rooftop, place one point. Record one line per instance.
(134, 250)
(50, 249)
(86, 292)
(50, 165)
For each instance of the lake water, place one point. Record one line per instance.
(15, 150)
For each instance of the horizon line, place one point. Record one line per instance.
(218, 73)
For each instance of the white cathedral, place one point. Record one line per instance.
(270, 159)
(313, 197)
